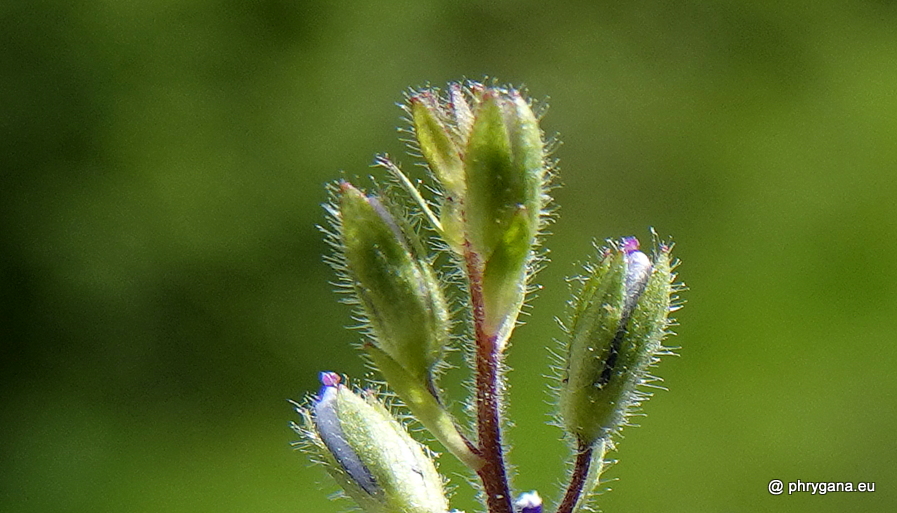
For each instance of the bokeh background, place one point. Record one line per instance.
(162, 291)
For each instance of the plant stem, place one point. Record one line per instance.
(492, 473)
(578, 479)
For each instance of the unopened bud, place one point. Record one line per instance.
(396, 286)
(618, 321)
(369, 453)
(439, 143)
(403, 301)
(485, 147)
(329, 429)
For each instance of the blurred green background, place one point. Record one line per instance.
(161, 286)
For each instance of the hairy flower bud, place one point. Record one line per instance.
(403, 302)
(398, 290)
(369, 453)
(618, 321)
(485, 147)
(505, 173)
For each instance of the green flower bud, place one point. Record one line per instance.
(397, 288)
(504, 170)
(619, 319)
(485, 147)
(403, 303)
(441, 130)
(505, 174)
(369, 453)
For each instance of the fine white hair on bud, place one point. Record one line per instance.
(618, 320)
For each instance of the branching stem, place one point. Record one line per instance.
(488, 360)
(578, 479)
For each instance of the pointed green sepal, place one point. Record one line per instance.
(436, 142)
(369, 453)
(504, 277)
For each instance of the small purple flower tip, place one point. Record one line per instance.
(528, 502)
(630, 244)
(330, 379)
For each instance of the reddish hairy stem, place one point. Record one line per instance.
(492, 473)
(578, 479)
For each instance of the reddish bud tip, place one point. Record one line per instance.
(330, 379)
